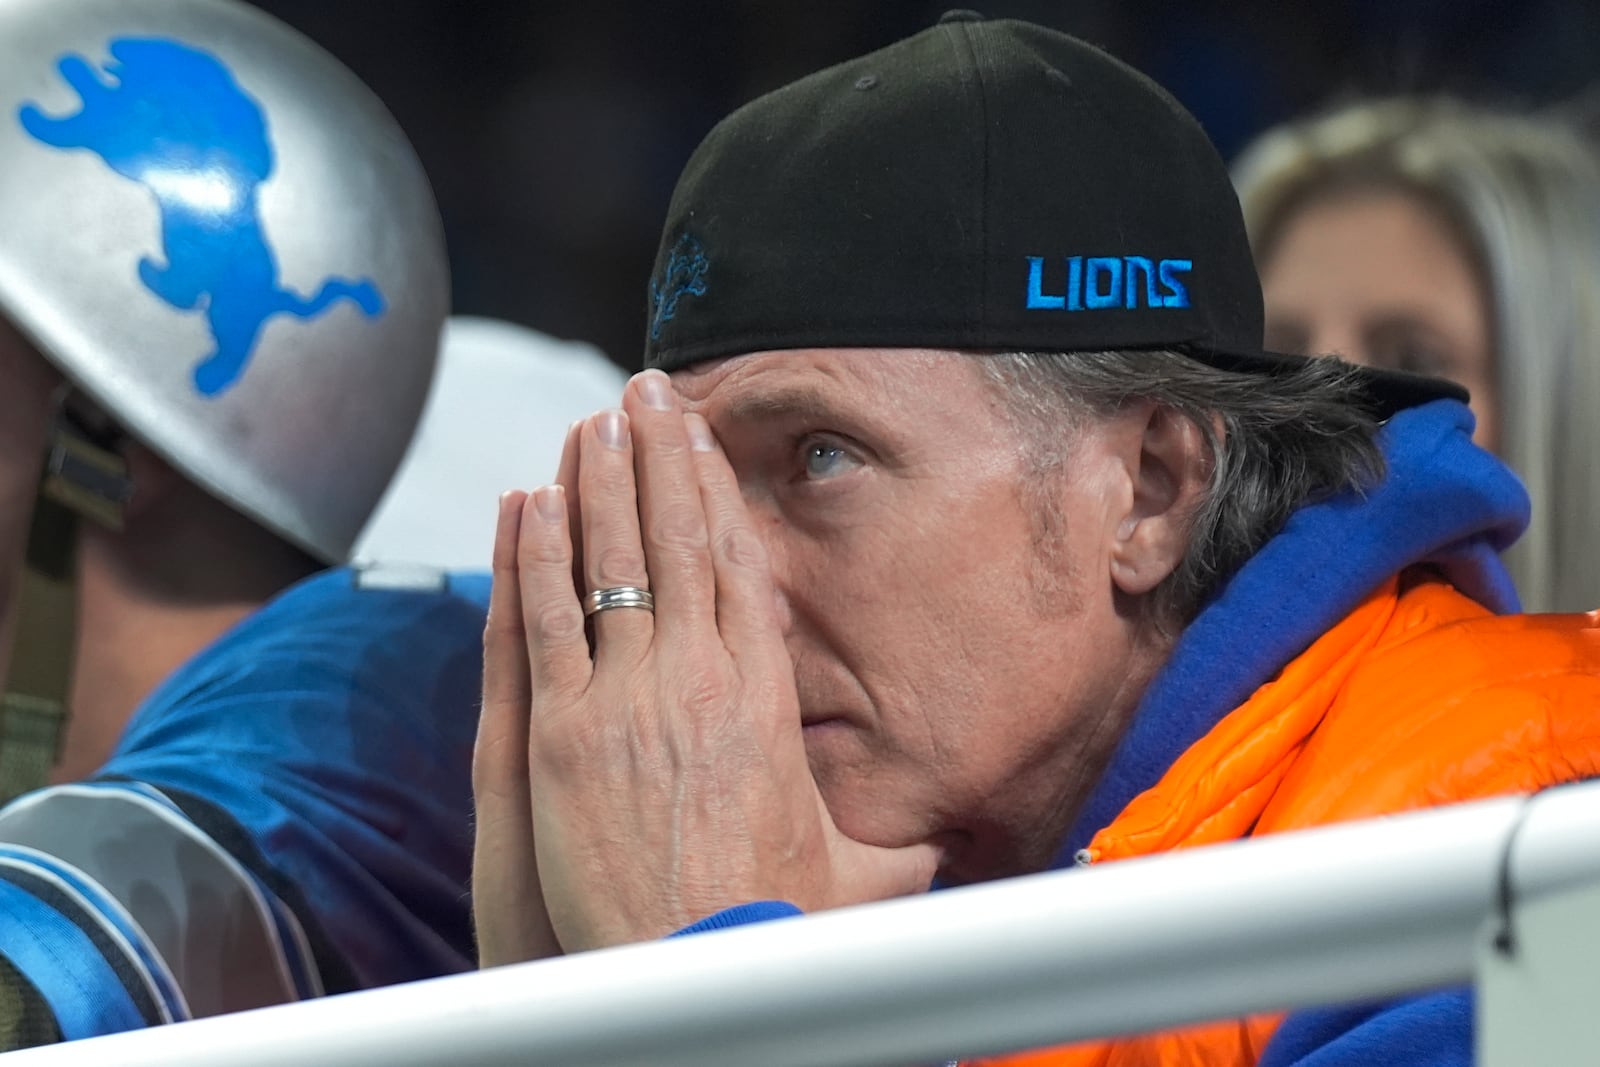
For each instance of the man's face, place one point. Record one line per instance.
(959, 678)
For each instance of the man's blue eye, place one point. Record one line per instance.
(825, 460)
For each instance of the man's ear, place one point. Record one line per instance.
(1169, 464)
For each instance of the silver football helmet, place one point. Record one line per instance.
(223, 240)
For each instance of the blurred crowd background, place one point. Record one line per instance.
(553, 132)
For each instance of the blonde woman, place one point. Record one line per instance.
(1426, 235)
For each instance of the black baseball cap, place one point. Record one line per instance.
(982, 185)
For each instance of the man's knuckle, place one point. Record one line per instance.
(491, 778)
(557, 622)
(572, 747)
(671, 447)
(499, 625)
(618, 565)
(679, 529)
(740, 547)
(535, 552)
(615, 482)
(703, 695)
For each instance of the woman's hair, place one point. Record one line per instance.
(1523, 194)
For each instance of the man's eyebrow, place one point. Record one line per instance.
(782, 404)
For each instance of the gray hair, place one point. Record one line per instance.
(1523, 194)
(1277, 442)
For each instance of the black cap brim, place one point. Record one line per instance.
(1387, 392)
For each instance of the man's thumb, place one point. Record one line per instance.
(876, 873)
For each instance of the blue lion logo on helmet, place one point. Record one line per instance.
(173, 119)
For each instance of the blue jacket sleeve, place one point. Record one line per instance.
(1428, 1031)
(287, 815)
(759, 911)
(327, 743)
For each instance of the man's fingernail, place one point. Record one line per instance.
(510, 507)
(551, 500)
(612, 426)
(699, 432)
(655, 388)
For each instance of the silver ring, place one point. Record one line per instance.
(618, 596)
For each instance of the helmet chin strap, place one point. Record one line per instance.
(84, 477)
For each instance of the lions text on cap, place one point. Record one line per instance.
(1096, 282)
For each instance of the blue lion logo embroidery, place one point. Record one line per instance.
(173, 119)
(684, 275)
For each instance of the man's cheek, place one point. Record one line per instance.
(868, 796)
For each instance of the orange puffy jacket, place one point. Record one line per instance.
(1420, 697)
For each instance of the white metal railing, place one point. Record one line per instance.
(1362, 910)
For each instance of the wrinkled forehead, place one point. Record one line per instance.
(759, 383)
